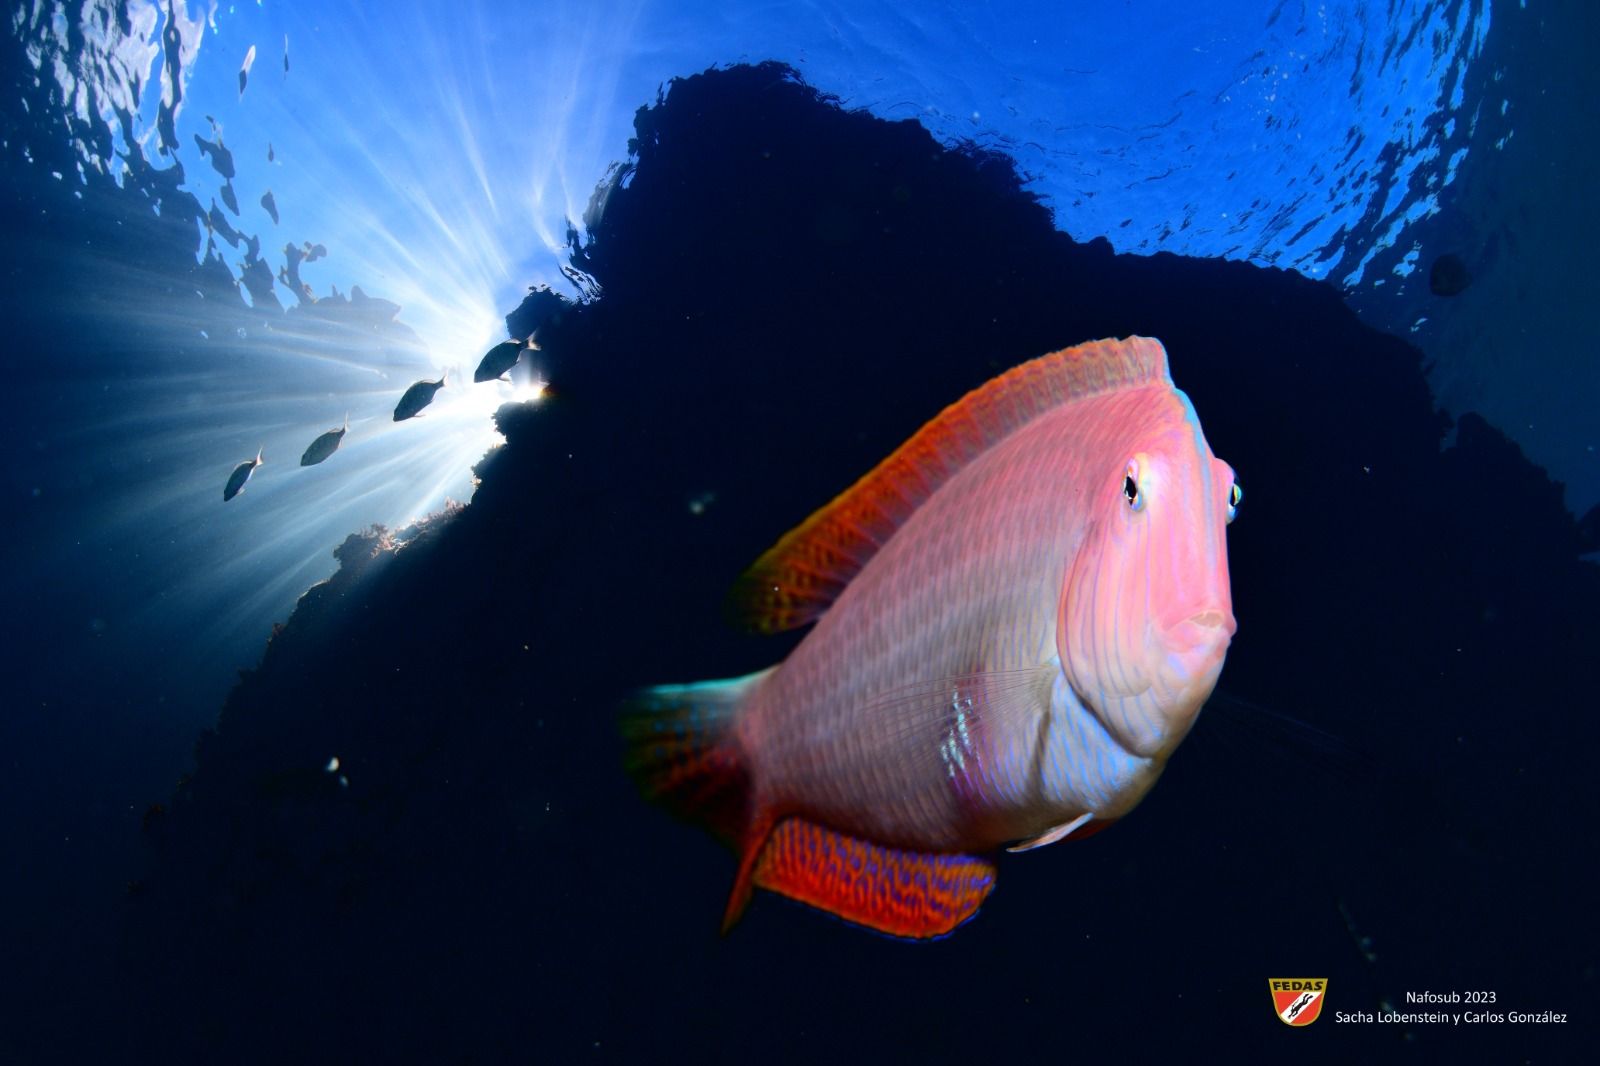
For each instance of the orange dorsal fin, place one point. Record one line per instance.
(796, 580)
(902, 893)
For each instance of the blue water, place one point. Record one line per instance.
(196, 271)
(440, 161)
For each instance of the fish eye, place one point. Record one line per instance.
(1235, 498)
(1130, 487)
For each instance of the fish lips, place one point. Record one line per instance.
(1149, 710)
(1195, 647)
(1201, 631)
(1194, 650)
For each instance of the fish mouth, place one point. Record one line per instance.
(1207, 629)
(1148, 707)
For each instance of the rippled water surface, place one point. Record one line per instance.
(233, 227)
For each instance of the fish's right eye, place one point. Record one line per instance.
(1130, 487)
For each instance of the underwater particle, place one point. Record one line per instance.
(333, 765)
(240, 475)
(325, 445)
(418, 396)
(1449, 275)
(1362, 942)
(699, 503)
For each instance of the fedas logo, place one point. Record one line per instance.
(1298, 1000)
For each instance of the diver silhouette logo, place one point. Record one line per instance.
(1297, 1000)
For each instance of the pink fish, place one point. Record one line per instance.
(1018, 615)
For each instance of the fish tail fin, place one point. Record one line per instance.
(258, 454)
(347, 420)
(683, 752)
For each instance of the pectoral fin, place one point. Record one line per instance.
(943, 721)
(1060, 832)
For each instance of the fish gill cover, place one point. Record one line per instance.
(409, 834)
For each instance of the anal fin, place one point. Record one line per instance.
(902, 893)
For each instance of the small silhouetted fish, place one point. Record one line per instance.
(240, 475)
(286, 54)
(244, 71)
(325, 445)
(499, 359)
(416, 398)
(1449, 275)
(271, 205)
(229, 198)
(271, 155)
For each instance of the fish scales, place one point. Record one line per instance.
(983, 559)
(1019, 614)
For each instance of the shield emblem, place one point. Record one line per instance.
(1298, 1000)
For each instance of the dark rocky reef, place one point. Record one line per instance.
(783, 291)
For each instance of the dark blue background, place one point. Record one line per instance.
(787, 291)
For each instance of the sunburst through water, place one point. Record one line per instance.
(415, 153)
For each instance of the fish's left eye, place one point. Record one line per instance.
(1235, 498)
(1130, 488)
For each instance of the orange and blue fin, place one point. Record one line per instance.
(796, 580)
(902, 893)
(684, 754)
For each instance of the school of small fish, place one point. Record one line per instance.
(496, 365)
